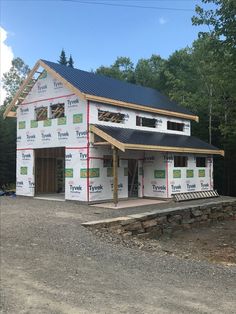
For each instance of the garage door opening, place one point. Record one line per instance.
(50, 172)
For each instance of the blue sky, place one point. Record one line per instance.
(96, 34)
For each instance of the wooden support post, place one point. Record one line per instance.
(115, 176)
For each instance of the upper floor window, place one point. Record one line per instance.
(57, 110)
(41, 113)
(108, 116)
(175, 126)
(148, 122)
(201, 162)
(180, 161)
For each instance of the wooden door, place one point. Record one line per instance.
(45, 175)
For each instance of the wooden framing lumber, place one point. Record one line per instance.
(115, 175)
(23, 86)
(11, 114)
(140, 107)
(107, 137)
(174, 149)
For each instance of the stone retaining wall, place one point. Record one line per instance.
(168, 221)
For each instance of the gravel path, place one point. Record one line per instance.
(51, 264)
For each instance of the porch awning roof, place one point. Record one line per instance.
(124, 138)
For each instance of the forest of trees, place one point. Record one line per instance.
(201, 77)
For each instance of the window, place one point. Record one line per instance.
(115, 117)
(180, 161)
(57, 110)
(175, 126)
(148, 122)
(41, 113)
(201, 162)
(108, 161)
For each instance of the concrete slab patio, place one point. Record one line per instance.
(131, 203)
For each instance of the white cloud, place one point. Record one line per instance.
(162, 20)
(6, 56)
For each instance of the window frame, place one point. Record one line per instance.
(140, 120)
(109, 119)
(36, 112)
(175, 126)
(52, 116)
(198, 162)
(180, 161)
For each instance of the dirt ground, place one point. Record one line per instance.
(215, 243)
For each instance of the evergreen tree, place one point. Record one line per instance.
(63, 59)
(71, 62)
(11, 83)
(13, 79)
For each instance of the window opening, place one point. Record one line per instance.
(175, 126)
(108, 161)
(148, 122)
(201, 162)
(41, 113)
(57, 110)
(180, 161)
(108, 116)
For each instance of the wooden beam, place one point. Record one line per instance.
(11, 114)
(115, 175)
(61, 79)
(21, 89)
(107, 137)
(174, 149)
(101, 143)
(141, 108)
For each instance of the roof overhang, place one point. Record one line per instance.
(128, 146)
(30, 81)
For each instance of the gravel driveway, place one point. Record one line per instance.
(51, 264)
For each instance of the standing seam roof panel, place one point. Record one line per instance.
(102, 86)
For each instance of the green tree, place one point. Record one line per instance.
(7, 150)
(222, 30)
(221, 21)
(71, 62)
(63, 59)
(11, 83)
(122, 69)
(148, 72)
(14, 78)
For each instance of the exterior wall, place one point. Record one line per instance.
(69, 132)
(162, 179)
(155, 179)
(191, 178)
(25, 172)
(130, 119)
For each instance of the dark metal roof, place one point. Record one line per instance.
(103, 86)
(140, 137)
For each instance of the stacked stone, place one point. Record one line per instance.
(168, 221)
